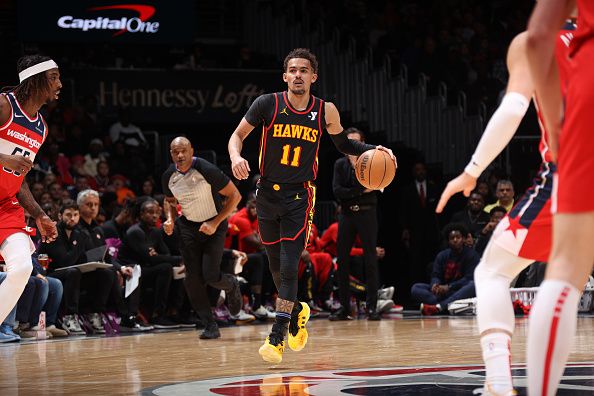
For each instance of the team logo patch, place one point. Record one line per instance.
(577, 380)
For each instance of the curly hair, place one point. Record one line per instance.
(303, 53)
(32, 85)
(461, 228)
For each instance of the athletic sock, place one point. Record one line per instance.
(497, 358)
(551, 331)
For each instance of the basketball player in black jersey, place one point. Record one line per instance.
(292, 122)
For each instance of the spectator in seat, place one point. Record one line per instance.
(144, 245)
(119, 184)
(81, 183)
(124, 131)
(497, 213)
(41, 294)
(93, 157)
(505, 196)
(69, 249)
(56, 193)
(452, 276)
(37, 189)
(89, 205)
(116, 227)
(473, 216)
(101, 180)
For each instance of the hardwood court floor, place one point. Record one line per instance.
(129, 364)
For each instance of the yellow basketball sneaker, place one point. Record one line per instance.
(489, 391)
(297, 331)
(273, 348)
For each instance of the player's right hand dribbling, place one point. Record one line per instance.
(16, 163)
(240, 168)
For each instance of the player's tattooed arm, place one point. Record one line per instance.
(45, 225)
(28, 202)
(284, 305)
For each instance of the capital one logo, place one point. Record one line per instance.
(135, 24)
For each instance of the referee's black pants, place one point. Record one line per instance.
(202, 256)
(365, 224)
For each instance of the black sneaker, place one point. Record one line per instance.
(234, 299)
(340, 314)
(374, 316)
(132, 325)
(211, 331)
(162, 322)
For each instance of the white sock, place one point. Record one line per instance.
(497, 357)
(551, 331)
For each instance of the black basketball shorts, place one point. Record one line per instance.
(285, 210)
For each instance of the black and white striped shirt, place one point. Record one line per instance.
(197, 190)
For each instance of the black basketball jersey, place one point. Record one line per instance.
(290, 139)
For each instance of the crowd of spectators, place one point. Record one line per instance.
(462, 43)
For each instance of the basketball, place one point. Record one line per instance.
(375, 169)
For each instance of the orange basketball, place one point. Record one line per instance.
(375, 169)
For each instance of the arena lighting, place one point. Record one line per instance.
(122, 25)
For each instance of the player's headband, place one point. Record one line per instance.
(36, 69)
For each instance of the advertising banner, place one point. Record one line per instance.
(157, 21)
(171, 97)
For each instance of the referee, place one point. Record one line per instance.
(207, 197)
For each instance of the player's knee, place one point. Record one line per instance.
(481, 273)
(21, 268)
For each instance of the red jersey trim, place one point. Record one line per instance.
(11, 115)
(315, 164)
(23, 111)
(309, 213)
(313, 102)
(275, 112)
(46, 130)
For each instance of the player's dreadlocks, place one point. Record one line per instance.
(33, 84)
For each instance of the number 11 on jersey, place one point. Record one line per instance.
(287, 151)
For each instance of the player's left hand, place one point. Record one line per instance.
(47, 228)
(389, 151)
(208, 227)
(464, 182)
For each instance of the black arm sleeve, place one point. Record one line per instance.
(349, 146)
